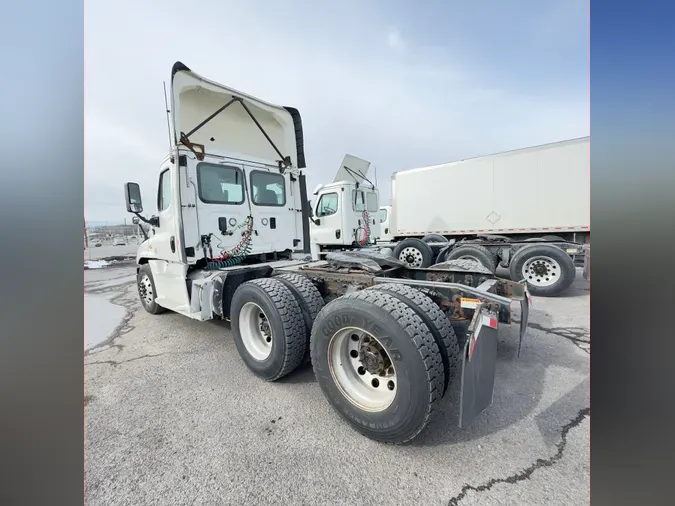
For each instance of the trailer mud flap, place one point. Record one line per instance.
(479, 363)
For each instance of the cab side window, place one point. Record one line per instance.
(164, 194)
(328, 204)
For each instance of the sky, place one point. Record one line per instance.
(398, 83)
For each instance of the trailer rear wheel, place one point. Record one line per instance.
(476, 253)
(377, 364)
(414, 253)
(308, 297)
(547, 269)
(147, 291)
(268, 328)
(439, 325)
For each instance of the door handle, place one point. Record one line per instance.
(172, 242)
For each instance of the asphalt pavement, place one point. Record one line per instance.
(172, 416)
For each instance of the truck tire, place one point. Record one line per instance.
(147, 291)
(435, 319)
(308, 298)
(547, 269)
(434, 238)
(474, 252)
(268, 328)
(377, 364)
(414, 253)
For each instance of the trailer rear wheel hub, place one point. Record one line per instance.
(411, 256)
(541, 271)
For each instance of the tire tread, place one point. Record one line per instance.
(289, 311)
(420, 335)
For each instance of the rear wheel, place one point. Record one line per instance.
(147, 291)
(439, 325)
(377, 364)
(414, 253)
(547, 269)
(268, 328)
(308, 298)
(476, 253)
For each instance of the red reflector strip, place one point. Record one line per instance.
(490, 322)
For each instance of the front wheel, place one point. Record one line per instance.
(146, 290)
(377, 364)
(547, 269)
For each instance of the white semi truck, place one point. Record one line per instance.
(532, 215)
(231, 241)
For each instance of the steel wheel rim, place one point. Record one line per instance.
(145, 289)
(541, 271)
(411, 256)
(350, 351)
(255, 331)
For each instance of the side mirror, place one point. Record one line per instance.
(135, 220)
(132, 193)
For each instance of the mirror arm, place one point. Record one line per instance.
(153, 221)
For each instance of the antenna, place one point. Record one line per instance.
(166, 106)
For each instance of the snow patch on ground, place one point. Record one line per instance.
(95, 264)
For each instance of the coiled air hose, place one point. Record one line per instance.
(237, 254)
(366, 229)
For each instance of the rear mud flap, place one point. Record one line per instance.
(524, 317)
(479, 362)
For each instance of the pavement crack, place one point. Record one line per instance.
(576, 335)
(527, 472)
(125, 326)
(115, 363)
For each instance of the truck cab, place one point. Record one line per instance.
(345, 214)
(231, 188)
(345, 211)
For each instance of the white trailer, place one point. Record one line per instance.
(385, 341)
(533, 192)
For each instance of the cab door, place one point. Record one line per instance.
(221, 203)
(328, 227)
(273, 209)
(166, 264)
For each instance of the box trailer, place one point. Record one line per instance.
(537, 191)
